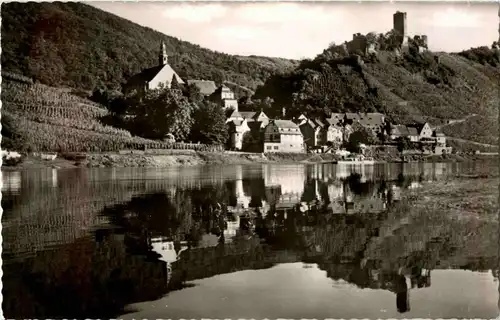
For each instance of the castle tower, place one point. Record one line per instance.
(399, 23)
(163, 57)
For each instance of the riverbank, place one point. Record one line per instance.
(192, 158)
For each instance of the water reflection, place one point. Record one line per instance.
(102, 239)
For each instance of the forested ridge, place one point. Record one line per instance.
(77, 45)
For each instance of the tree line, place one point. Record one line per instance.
(181, 113)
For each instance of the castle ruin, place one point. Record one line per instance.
(403, 42)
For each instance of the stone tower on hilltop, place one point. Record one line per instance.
(400, 26)
(163, 57)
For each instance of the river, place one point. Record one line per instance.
(252, 241)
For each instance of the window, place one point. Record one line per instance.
(269, 147)
(275, 147)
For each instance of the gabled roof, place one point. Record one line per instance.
(319, 123)
(248, 114)
(412, 131)
(236, 123)
(285, 126)
(282, 124)
(221, 88)
(372, 119)
(206, 87)
(149, 74)
(399, 130)
(259, 114)
(236, 114)
(418, 126)
(352, 116)
(334, 121)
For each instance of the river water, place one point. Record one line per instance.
(255, 241)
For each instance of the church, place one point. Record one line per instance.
(151, 78)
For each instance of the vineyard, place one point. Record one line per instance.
(51, 119)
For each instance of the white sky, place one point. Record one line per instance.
(303, 29)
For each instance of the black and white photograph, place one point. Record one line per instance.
(250, 159)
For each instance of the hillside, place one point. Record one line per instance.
(36, 117)
(74, 45)
(434, 87)
(77, 45)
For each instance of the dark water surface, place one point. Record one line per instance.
(257, 241)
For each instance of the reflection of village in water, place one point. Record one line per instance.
(290, 196)
(255, 217)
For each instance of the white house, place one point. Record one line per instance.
(237, 129)
(283, 136)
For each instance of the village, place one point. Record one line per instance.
(254, 131)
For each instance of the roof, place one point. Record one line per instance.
(352, 116)
(412, 131)
(235, 114)
(234, 124)
(220, 89)
(371, 119)
(286, 124)
(399, 130)
(311, 123)
(149, 74)
(248, 114)
(334, 121)
(206, 87)
(418, 126)
(438, 134)
(319, 123)
(337, 116)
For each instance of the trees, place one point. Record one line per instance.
(209, 124)
(160, 112)
(403, 143)
(360, 136)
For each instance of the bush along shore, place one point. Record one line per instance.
(170, 158)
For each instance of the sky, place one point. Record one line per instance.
(297, 30)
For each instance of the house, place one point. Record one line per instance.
(225, 97)
(424, 130)
(398, 131)
(152, 78)
(334, 130)
(413, 134)
(206, 87)
(314, 133)
(236, 129)
(283, 136)
(440, 138)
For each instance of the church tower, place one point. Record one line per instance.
(163, 57)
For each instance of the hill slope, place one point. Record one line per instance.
(434, 87)
(77, 45)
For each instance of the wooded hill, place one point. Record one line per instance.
(433, 87)
(77, 45)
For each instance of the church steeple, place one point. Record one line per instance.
(163, 57)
